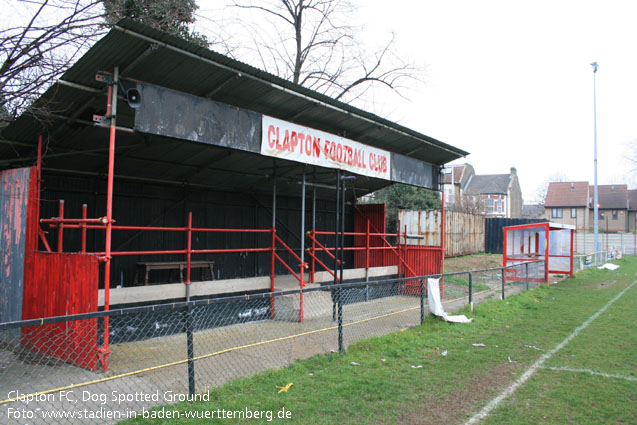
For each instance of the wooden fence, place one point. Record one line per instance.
(464, 233)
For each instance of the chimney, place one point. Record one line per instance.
(572, 186)
(514, 171)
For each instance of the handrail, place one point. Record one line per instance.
(380, 235)
(299, 276)
(310, 253)
(277, 238)
(311, 235)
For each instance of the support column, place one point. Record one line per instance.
(442, 247)
(272, 258)
(342, 257)
(313, 234)
(337, 208)
(302, 234)
(112, 115)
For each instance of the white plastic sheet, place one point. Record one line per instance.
(435, 305)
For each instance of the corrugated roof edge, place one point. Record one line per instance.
(126, 25)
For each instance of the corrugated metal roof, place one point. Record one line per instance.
(148, 55)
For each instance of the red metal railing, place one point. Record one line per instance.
(85, 223)
(396, 259)
(411, 260)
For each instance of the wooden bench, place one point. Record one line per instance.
(145, 268)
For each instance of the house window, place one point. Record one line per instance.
(614, 214)
(490, 203)
(601, 214)
(500, 205)
(449, 195)
(573, 212)
(556, 212)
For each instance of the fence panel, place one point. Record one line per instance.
(464, 233)
(626, 242)
(493, 234)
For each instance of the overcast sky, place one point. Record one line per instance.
(510, 81)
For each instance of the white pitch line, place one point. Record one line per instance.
(530, 371)
(590, 372)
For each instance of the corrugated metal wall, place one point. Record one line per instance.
(14, 199)
(168, 205)
(464, 233)
(494, 236)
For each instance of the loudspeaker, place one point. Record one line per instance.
(134, 98)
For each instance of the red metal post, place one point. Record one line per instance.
(571, 259)
(272, 263)
(83, 225)
(61, 226)
(546, 253)
(313, 233)
(189, 248)
(112, 114)
(367, 249)
(301, 285)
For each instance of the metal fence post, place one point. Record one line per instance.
(502, 282)
(526, 265)
(340, 320)
(422, 301)
(471, 291)
(191, 351)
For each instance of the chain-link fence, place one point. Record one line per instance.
(51, 369)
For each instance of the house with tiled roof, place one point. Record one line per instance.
(567, 203)
(632, 209)
(498, 195)
(613, 207)
(572, 203)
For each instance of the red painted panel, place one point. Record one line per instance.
(376, 214)
(423, 261)
(60, 284)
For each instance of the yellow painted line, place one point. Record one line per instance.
(204, 356)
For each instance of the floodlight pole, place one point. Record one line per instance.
(595, 196)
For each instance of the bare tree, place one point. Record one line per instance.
(472, 204)
(540, 192)
(630, 155)
(34, 54)
(311, 42)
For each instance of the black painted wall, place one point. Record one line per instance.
(165, 205)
